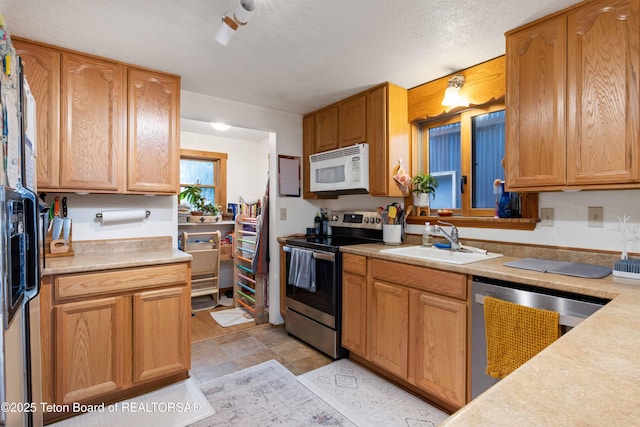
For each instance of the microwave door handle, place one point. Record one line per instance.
(348, 177)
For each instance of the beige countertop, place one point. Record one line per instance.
(590, 376)
(113, 254)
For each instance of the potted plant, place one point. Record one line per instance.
(192, 194)
(424, 186)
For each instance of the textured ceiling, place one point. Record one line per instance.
(293, 55)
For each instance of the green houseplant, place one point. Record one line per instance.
(192, 194)
(424, 187)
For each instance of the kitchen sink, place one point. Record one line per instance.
(440, 255)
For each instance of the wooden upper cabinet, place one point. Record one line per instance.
(326, 129)
(536, 131)
(82, 103)
(572, 99)
(352, 120)
(308, 148)
(42, 71)
(603, 44)
(93, 127)
(153, 143)
(388, 138)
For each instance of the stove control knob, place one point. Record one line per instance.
(366, 220)
(377, 220)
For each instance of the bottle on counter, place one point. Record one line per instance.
(325, 222)
(427, 235)
(317, 224)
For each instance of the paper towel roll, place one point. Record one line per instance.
(123, 215)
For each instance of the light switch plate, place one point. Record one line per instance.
(283, 214)
(546, 217)
(595, 216)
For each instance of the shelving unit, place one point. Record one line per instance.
(204, 247)
(249, 287)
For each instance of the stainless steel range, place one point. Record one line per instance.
(314, 279)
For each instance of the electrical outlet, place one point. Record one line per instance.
(546, 217)
(595, 216)
(283, 214)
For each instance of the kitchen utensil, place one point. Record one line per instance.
(64, 207)
(392, 211)
(57, 228)
(66, 229)
(407, 213)
(56, 208)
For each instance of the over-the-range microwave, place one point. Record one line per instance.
(341, 171)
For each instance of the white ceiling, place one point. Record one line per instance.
(293, 55)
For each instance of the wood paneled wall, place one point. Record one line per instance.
(484, 83)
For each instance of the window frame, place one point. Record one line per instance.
(220, 173)
(465, 118)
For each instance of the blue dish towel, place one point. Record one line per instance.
(302, 270)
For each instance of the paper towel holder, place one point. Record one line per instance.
(146, 214)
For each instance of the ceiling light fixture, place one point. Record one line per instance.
(236, 15)
(452, 96)
(220, 126)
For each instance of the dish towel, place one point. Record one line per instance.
(515, 334)
(302, 270)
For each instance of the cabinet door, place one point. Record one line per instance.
(354, 312)
(536, 131)
(92, 124)
(377, 138)
(161, 333)
(91, 340)
(326, 129)
(42, 71)
(352, 121)
(154, 147)
(308, 148)
(438, 361)
(388, 314)
(603, 93)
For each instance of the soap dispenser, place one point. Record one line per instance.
(427, 236)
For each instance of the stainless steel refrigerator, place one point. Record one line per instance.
(21, 237)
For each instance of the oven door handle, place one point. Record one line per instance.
(324, 256)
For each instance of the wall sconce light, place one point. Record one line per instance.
(234, 17)
(452, 96)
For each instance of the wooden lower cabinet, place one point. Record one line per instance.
(389, 327)
(133, 337)
(91, 342)
(161, 344)
(354, 320)
(411, 322)
(438, 364)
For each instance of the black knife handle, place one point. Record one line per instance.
(64, 207)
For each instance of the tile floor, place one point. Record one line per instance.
(216, 357)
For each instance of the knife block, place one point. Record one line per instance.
(59, 250)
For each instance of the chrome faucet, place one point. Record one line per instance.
(452, 236)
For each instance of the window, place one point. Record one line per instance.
(208, 170)
(465, 154)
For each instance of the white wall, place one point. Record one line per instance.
(247, 163)
(286, 139)
(85, 226)
(570, 227)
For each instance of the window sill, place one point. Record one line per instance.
(526, 224)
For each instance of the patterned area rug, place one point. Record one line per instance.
(368, 400)
(266, 395)
(175, 405)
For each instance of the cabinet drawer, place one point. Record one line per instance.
(356, 264)
(109, 282)
(422, 278)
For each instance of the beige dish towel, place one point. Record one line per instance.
(515, 334)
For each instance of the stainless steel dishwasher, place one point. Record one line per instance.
(572, 308)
